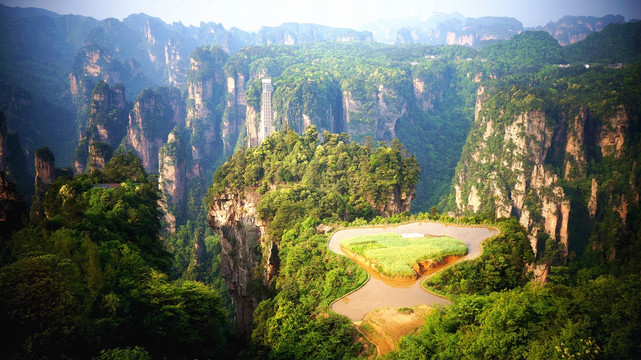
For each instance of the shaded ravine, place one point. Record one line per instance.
(379, 292)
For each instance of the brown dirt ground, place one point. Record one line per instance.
(385, 327)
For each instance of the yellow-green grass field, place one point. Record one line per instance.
(394, 256)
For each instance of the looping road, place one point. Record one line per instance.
(379, 292)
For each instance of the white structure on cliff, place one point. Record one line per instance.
(266, 121)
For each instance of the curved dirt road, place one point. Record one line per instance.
(379, 292)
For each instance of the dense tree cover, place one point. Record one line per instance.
(616, 43)
(91, 275)
(335, 178)
(597, 320)
(599, 93)
(497, 314)
(296, 322)
(502, 265)
(303, 181)
(356, 88)
(525, 52)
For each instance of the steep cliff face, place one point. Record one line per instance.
(252, 123)
(206, 83)
(546, 168)
(235, 219)
(462, 31)
(235, 112)
(384, 107)
(13, 211)
(248, 259)
(572, 29)
(153, 116)
(517, 182)
(45, 175)
(255, 204)
(172, 179)
(106, 127)
(45, 168)
(94, 64)
(314, 99)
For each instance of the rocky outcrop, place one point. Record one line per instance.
(572, 29)
(153, 116)
(205, 96)
(249, 260)
(99, 154)
(399, 202)
(94, 64)
(234, 218)
(45, 167)
(106, 127)
(172, 179)
(383, 105)
(13, 211)
(45, 170)
(613, 133)
(251, 126)
(592, 203)
(456, 30)
(513, 165)
(235, 112)
(312, 100)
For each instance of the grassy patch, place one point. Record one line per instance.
(392, 255)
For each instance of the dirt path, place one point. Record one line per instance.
(381, 293)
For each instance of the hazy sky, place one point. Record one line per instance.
(250, 15)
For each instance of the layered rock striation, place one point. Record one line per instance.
(544, 162)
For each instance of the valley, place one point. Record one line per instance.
(179, 191)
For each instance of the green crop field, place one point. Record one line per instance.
(393, 255)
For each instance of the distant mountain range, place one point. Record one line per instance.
(455, 29)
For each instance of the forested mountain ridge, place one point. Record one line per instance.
(265, 202)
(541, 132)
(544, 144)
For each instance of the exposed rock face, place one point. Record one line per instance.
(398, 203)
(614, 133)
(234, 218)
(172, 179)
(154, 114)
(252, 124)
(45, 176)
(13, 211)
(235, 112)
(308, 102)
(45, 169)
(105, 129)
(99, 155)
(462, 31)
(388, 108)
(571, 29)
(206, 92)
(506, 166)
(94, 64)
(592, 204)
(426, 98)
